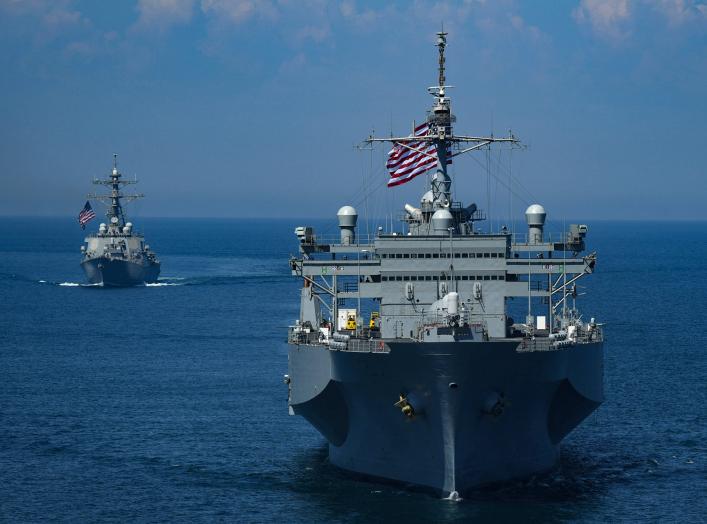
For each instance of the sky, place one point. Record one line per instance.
(245, 108)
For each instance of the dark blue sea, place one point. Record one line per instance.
(166, 403)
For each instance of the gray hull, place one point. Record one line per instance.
(484, 412)
(120, 273)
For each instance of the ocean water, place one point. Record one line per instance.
(165, 403)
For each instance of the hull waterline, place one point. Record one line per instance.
(119, 273)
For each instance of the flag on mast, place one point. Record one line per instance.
(86, 215)
(414, 157)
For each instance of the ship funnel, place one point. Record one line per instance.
(347, 223)
(535, 216)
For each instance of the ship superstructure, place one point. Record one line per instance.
(442, 387)
(117, 255)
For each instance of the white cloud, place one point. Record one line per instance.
(607, 18)
(294, 64)
(314, 33)
(238, 11)
(359, 17)
(50, 20)
(163, 14)
(679, 12)
(611, 19)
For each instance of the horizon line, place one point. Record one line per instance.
(193, 217)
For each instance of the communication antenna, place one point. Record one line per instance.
(441, 44)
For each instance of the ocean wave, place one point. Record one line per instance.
(203, 280)
(222, 280)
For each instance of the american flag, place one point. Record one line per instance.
(407, 161)
(86, 215)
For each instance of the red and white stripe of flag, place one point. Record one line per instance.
(407, 161)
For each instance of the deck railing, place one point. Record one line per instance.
(549, 344)
(360, 345)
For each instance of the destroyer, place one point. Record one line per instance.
(437, 385)
(117, 255)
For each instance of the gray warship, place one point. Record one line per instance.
(116, 255)
(440, 388)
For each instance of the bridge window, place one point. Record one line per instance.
(486, 277)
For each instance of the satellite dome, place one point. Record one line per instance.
(346, 210)
(535, 215)
(347, 223)
(442, 220)
(347, 216)
(427, 197)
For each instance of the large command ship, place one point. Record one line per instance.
(436, 385)
(116, 255)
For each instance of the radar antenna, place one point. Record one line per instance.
(114, 201)
(441, 44)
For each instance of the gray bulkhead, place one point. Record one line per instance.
(415, 272)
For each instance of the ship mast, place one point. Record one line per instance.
(440, 120)
(114, 200)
